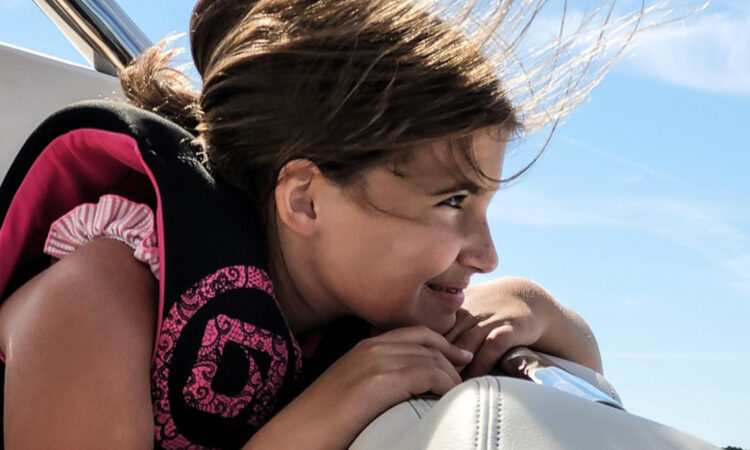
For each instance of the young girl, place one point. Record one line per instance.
(291, 262)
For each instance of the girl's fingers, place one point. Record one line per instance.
(395, 357)
(421, 335)
(498, 341)
(420, 373)
(423, 379)
(464, 322)
(472, 341)
(425, 364)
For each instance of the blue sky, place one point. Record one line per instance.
(637, 216)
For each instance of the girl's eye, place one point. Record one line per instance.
(454, 202)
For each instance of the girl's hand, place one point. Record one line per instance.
(376, 374)
(510, 312)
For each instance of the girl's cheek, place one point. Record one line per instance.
(444, 250)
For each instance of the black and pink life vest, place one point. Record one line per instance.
(224, 359)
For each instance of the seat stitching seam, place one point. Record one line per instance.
(476, 416)
(499, 408)
(411, 404)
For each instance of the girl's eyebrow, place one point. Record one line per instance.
(473, 188)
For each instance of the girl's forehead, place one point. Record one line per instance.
(446, 162)
(429, 173)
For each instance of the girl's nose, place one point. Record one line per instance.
(479, 252)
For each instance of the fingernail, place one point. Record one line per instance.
(467, 354)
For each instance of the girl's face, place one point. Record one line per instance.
(404, 253)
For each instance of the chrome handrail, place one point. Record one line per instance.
(99, 29)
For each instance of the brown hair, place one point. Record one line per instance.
(349, 84)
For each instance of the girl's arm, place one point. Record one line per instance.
(376, 374)
(78, 340)
(387, 369)
(513, 311)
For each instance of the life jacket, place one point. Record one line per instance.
(224, 358)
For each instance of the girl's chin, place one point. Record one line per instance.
(442, 324)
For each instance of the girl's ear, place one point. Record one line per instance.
(295, 196)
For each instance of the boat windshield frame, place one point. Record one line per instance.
(99, 29)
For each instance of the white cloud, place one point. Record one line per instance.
(677, 356)
(642, 168)
(10, 4)
(700, 227)
(705, 229)
(740, 267)
(526, 207)
(710, 51)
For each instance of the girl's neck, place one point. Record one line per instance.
(301, 316)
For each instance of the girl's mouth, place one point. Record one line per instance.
(438, 288)
(451, 296)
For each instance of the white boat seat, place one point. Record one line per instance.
(500, 412)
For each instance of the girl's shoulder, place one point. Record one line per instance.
(77, 340)
(94, 287)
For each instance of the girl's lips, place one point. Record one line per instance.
(453, 296)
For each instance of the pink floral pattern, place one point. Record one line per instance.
(259, 393)
(221, 330)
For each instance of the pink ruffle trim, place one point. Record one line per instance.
(112, 217)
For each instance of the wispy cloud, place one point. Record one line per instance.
(677, 356)
(740, 267)
(710, 51)
(642, 168)
(528, 207)
(10, 4)
(701, 227)
(706, 229)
